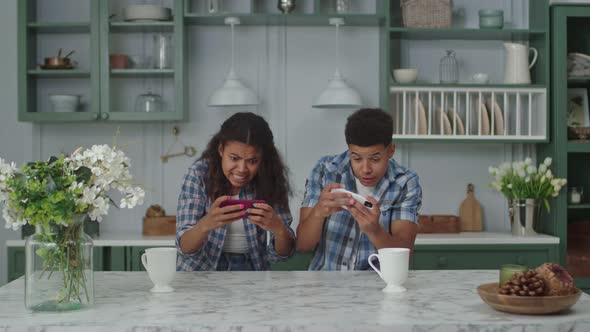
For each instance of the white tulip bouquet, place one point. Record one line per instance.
(522, 180)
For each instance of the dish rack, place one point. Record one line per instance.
(448, 113)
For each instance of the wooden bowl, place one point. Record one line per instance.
(524, 304)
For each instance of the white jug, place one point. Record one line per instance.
(516, 63)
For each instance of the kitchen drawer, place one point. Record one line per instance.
(459, 257)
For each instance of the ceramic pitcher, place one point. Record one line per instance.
(516, 63)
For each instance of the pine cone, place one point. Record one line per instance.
(155, 211)
(524, 284)
(557, 280)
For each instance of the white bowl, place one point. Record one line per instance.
(64, 103)
(408, 75)
(147, 12)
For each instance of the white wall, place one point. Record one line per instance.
(288, 67)
(15, 137)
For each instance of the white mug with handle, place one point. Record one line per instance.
(160, 264)
(394, 263)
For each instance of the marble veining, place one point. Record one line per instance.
(287, 301)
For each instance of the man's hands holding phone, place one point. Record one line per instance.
(330, 202)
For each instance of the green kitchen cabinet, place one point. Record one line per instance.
(464, 257)
(570, 33)
(523, 108)
(95, 29)
(16, 261)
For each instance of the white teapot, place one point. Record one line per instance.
(516, 63)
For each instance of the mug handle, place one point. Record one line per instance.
(535, 55)
(373, 266)
(144, 261)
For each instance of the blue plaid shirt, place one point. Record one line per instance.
(342, 245)
(194, 203)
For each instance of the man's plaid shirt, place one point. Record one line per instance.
(194, 203)
(342, 245)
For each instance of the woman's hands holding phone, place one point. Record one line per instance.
(219, 216)
(264, 216)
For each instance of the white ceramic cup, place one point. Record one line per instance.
(480, 78)
(394, 263)
(160, 264)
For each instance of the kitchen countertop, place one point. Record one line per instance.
(287, 301)
(136, 239)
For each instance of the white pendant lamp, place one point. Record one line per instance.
(233, 92)
(338, 94)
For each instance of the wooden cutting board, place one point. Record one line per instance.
(470, 212)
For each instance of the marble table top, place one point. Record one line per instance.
(286, 301)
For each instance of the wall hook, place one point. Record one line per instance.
(188, 150)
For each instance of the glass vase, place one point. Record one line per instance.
(59, 272)
(449, 68)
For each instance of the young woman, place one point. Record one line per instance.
(240, 162)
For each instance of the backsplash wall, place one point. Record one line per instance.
(287, 67)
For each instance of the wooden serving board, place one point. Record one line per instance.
(154, 226)
(470, 213)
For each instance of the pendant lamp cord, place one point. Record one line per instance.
(337, 48)
(232, 47)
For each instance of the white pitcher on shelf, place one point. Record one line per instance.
(516, 63)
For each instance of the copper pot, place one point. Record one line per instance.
(56, 61)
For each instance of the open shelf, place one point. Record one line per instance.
(58, 73)
(59, 27)
(155, 26)
(142, 72)
(578, 146)
(583, 206)
(461, 33)
(288, 19)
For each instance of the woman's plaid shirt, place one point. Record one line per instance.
(194, 204)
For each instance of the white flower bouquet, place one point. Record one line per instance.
(522, 180)
(54, 191)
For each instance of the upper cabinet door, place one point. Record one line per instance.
(142, 61)
(58, 62)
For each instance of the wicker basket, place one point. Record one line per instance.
(427, 13)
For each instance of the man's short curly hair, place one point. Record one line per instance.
(369, 126)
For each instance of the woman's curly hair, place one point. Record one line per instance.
(271, 181)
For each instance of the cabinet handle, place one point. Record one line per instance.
(96, 116)
(104, 116)
(520, 260)
(442, 261)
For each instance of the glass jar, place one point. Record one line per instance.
(576, 195)
(213, 6)
(449, 68)
(508, 270)
(162, 52)
(148, 103)
(342, 6)
(59, 273)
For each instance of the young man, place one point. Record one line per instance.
(342, 231)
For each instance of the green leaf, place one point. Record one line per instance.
(83, 174)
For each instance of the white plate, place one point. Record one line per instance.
(422, 124)
(498, 118)
(147, 12)
(456, 122)
(446, 125)
(485, 118)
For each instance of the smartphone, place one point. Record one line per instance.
(248, 203)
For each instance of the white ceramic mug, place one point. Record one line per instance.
(394, 263)
(160, 263)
